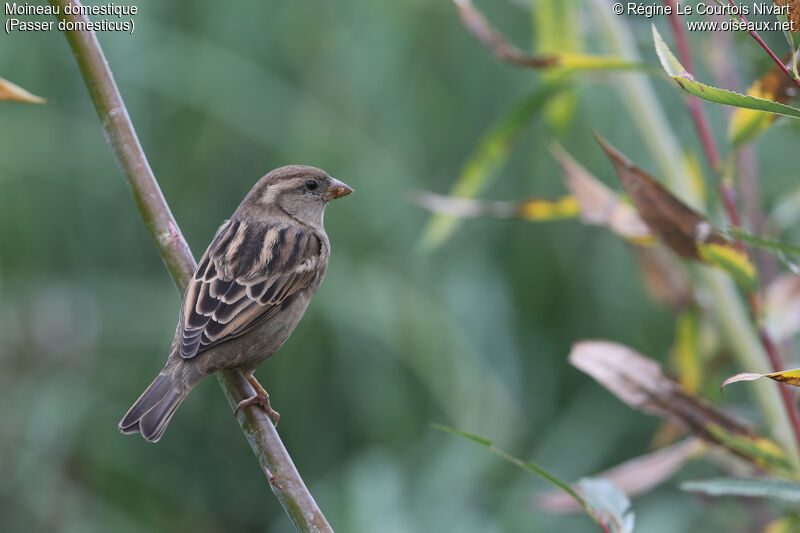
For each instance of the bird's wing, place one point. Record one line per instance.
(244, 278)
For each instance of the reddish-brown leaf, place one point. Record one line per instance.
(677, 225)
(640, 383)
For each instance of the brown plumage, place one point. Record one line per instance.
(251, 288)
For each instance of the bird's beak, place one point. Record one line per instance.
(336, 189)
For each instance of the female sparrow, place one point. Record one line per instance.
(250, 289)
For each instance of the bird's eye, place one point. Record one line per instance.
(312, 185)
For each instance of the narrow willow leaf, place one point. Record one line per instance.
(530, 466)
(533, 209)
(598, 204)
(675, 223)
(746, 124)
(763, 242)
(470, 436)
(761, 451)
(682, 229)
(753, 488)
(634, 477)
(640, 383)
(687, 82)
(488, 158)
(464, 207)
(790, 377)
(14, 93)
(731, 260)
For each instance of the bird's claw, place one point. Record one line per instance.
(260, 399)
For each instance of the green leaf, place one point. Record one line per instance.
(714, 94)
(780, 250)
(459, 433)
(747, 124)
(763, 242)
(488, 159)
(602, 501)
(762, 451)
(755, 488)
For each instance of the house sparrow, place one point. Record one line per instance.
(250, 289)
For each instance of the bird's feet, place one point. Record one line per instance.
(261, 398)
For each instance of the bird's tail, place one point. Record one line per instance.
(153, 410)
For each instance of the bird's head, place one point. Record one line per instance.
(299, 191)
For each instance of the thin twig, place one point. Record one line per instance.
(754, 34)
(284, 479)
(786, 393)
(477, 25)
(726, 192)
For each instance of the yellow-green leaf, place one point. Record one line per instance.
(763, 452)
(596, 62)
(713, 94)
(746, 124)
(565, 207)
(790, 377)
(14, 93)
(731, 260)
(686, 351)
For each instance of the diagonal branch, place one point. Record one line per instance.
(283, 477)
(754, 34)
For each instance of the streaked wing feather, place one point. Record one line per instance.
(247, 274)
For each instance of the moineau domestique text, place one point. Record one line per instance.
(651, 10)
(69, 9)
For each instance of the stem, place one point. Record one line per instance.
(726, 192)
(764, 45)
(695, 106)
(728, 195)
(735, 322)
(284, 479)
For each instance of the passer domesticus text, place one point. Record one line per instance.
(250, 289)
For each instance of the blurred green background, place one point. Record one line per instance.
(389, 97)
